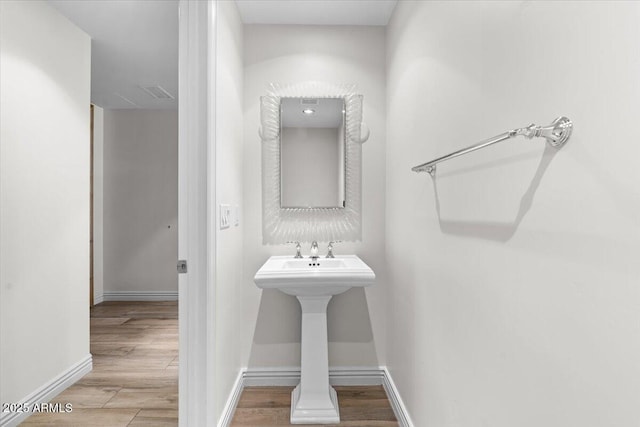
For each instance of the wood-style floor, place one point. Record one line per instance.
(134, 381)
(361, 406)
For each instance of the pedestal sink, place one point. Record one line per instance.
(314, 282)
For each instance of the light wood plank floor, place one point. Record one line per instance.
(366, 406)
(134, 381)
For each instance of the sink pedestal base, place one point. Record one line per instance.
(329, 415)
(314, 401)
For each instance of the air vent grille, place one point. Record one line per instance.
(309, 101)
(157, 92)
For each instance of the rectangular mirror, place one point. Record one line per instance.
(312, 152)
(311, 163)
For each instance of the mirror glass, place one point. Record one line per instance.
(312, 152)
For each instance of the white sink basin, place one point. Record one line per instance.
(324, 276)
(314, 282)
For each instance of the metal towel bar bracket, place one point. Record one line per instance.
(556, 134)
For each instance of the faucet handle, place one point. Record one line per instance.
(330, 249)
(298, 249)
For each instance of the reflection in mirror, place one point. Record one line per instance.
(312, 144)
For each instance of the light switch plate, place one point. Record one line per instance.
(225, 216)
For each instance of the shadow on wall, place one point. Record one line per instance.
(498, 231)
(348, 322)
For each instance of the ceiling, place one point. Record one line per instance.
(316, 12)
(321, 112)
(135, 42)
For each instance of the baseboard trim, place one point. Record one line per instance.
(48, 391)
(232, 401)
(140, 296)
(399, 409)
(264, 377)
(97, 299)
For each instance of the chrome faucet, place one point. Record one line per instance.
(330, 249)
(298, 249)
(314, 251)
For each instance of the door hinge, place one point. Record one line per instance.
(182, 266)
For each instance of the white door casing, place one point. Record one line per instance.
(196, 234)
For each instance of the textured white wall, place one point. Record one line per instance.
(228, 163)
(140, 200)
(514, 277)
(98, 205)
(271, 320)
(44, 193)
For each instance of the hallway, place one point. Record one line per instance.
(134, 381)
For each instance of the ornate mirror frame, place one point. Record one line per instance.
(281, 225)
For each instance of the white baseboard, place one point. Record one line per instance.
(396, 401)
(264, 377)
(48, 391)
(140, 296)
(97, 299)
(232, 401)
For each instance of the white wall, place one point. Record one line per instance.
(229, 179)
(514, 276)
(98, 205)
(270, 319)
(140, 203)
(44, 194)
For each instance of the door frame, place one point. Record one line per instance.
(91, 242)
(196, 212)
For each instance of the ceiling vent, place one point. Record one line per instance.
(309, 101)
(157, 92)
